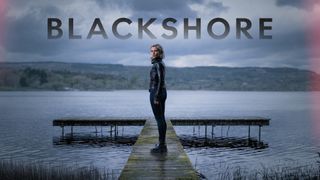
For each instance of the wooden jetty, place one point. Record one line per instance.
(174, 164)
(142, 164)
(114, 123)
(223, 121)
(75, 121)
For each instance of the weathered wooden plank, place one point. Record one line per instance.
(98, 122)
(222, 121)
(142, 164)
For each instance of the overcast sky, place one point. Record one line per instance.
(26, 32)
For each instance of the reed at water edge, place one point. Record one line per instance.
(17, 170)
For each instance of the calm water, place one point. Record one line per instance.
(27, 134)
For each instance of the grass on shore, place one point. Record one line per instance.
(14, 170)
(310, 172)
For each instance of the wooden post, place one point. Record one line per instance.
(205, 131)
(228, 131)
(71, 131)
(259, 134)
(194, 131)
(212, 131)
(62, 131)
(115, 131)
(249, 133)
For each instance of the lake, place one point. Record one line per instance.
(27, 133)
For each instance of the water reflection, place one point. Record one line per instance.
(26, 126)
(221, 142)
(94, 140)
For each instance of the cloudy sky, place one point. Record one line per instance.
(25, 32)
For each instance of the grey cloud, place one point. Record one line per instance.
(28, 34)
(160, 9)
(155, 5)
(295, 3)
(26, 37)
(148, 5)
(113, 3)
(217, 6)
(302, 4)
(287, 49)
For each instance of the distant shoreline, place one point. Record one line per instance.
(56, 76)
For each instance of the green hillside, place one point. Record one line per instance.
(80, 76)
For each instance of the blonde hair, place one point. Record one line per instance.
(160, 49)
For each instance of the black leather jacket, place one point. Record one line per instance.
(157, 77)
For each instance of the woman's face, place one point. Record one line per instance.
(154, 52)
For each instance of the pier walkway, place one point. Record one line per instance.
(174, 164)
(142, 164)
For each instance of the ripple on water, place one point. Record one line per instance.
(26, 126)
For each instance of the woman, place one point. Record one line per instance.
(158, 95)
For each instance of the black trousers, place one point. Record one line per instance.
(158, 111)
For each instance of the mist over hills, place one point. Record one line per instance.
(84, 76)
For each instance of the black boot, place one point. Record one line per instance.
(161, 148)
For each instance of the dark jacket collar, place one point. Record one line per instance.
(154, 60)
